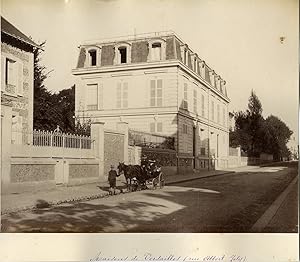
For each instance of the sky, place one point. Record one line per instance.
(239, 39)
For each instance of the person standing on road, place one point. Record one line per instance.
(112, 179)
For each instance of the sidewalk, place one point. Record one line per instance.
(63, 194)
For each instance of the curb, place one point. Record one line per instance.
(268, 215)
(200, 177)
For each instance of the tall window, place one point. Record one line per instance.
(212, 110)
(184, 129)
(122, 54)
(93, 57)
(185, 96)
(156, 127)
(202, 105)
(92, 97)
(122, 95)
(10, 72)
(195, 101)
(218, 114)
(156, 92)
(156, 51)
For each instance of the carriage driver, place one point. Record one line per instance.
(112, 179)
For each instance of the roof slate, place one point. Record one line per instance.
(9, 29)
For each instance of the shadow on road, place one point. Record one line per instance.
(220, 204)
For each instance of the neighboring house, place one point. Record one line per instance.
(157, 84)
(16, 82)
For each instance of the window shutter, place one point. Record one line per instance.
(125, 95)
(202, 105)
(92, 101)
(20, 78)
(152, 93)
(185, 97)
(119, 95)
(100, 96)
(152, 127)
(159, 127)
(159, 92)
(3, 73)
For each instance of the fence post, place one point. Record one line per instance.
(123, 126)
(97, 137)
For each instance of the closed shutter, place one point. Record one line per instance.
(119, 95)
(152, 93)
(100, 96)
(152, 127)
(159, 127)
(159, 92)
(185, 96)
(92, 101)
(125, 95)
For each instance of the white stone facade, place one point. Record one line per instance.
(168, 95)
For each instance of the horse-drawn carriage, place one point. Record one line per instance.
(146, 175)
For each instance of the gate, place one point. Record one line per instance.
(113, 149)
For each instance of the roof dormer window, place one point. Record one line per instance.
(157, 49)
(156, 52)
(92, 57)
(122, 55)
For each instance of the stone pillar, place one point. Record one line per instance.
(123, 127)
(6, 118)
(97, 136)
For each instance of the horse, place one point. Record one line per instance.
(132, 172)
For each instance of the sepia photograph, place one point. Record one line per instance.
(157, 116)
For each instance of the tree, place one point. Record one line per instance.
(42, 105)
(50, 109)
(65, 109)
(249, 127)
(276, 137)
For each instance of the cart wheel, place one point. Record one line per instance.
(154, 183)
(161, 180)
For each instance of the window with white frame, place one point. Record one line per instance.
(92, 57)
(185, 96)
(156, 127)
(12, 72)
(122, 95)
(156, 51)
(202, 105)
(218, 114)
(195, 101)
(212, 110)
(156, 92)
(92, 97)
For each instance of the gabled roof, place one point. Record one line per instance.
(9, 29)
